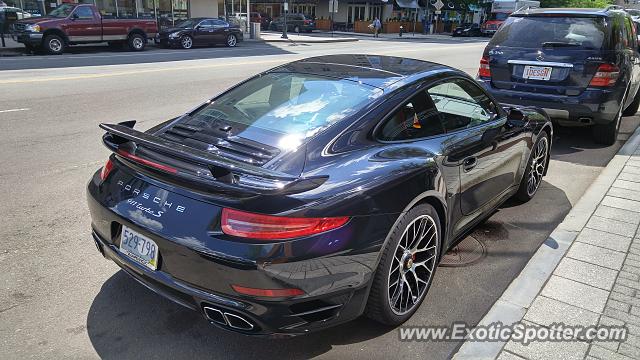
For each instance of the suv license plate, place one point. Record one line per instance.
(537, 72)
(139, 248)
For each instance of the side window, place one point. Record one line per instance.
(461, 104)
(219, 23)
(417, 118)
(629, 33)
(206, 24)
(84, 12)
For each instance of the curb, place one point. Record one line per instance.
(517, 298)
(313, 41)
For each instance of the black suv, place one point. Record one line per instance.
(295, 23)
(581, 65)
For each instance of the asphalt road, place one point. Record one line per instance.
(61, 299)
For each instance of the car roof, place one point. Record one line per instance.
(569, 11)
(374, 70)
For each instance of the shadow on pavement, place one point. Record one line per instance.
(126, 320)
(570, 143)
(96, 55)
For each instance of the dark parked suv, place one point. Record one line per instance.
(581, 65)
(295, 23)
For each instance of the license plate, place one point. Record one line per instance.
(537, 72)
(139, 248)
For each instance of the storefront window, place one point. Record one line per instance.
(146, 9)
(180, 10)
(32, 6)
(107, 8)
(165, 16)
(126, 9)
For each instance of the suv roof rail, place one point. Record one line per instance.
(614, 7)
(528, 7)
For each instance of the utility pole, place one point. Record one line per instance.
(284, 28)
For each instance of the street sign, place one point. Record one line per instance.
(438, 5)
(286, 6)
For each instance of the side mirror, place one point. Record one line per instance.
(515, 114)
(75, 16)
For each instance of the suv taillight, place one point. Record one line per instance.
(484, 70)
(268, 227)
(606, 75)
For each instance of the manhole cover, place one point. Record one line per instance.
(465, 253)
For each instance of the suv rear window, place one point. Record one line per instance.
(539, 31)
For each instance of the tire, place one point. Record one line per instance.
(632, 109)
(607, 134)
(186, 42)
(136, 42)
(53, 44)
(231, 41)
(399, 267)
(536, 166)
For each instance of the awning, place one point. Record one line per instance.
(411, 4)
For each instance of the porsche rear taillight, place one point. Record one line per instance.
(146, 162)
(606, 75)
(268, 227)
(485, 70)
(106, 169)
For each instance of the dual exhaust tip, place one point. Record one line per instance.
(224, 318)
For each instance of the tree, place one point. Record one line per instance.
(575, 3)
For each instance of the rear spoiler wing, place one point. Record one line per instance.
(231, 174)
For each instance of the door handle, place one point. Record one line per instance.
(469, 163)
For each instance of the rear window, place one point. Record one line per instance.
(536, 32)
(287, 103)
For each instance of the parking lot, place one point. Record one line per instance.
(60, 298)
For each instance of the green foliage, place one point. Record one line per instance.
(575, 3)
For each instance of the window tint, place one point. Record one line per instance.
(418, 118)
(206, 24)
(287, 103)
(461, 104)
(84, 12)
(219, 23)
(533, 32)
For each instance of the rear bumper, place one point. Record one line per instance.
(198, 271)
(261, 318)
(598, 106)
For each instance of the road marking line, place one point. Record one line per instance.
(192, 67)
(14, 110)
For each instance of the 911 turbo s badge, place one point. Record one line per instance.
(161, 201)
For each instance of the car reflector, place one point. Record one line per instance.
(266, 292)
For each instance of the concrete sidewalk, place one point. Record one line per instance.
(586, 273)
(305, 38)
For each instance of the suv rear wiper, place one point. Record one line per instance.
(557, 44)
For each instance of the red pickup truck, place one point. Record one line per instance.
(71, 24)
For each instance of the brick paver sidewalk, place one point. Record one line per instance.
(586, 274)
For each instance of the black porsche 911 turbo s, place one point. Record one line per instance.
(313, 192)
